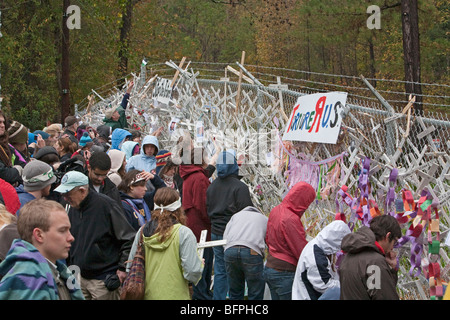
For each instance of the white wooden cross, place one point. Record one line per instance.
(208, 244)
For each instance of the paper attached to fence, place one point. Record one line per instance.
(316, 118)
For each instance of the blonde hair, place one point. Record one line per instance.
(36, 214)
(5, 216)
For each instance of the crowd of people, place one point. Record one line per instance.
(75, 201)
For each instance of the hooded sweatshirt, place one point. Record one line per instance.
(227, 194)
(117, 138)
(195, 184)
(128, 147)
(364, 272)
(117, 158)
(285, 235)
(27, 275)
(314, 274)
(142, 161)
(169, 265)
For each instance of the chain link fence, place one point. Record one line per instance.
(373, 128)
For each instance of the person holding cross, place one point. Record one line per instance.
(116, 117)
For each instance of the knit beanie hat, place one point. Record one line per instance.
(85, 139)
(44, 151)
(37, 175)
(18, 133)
(161, 159)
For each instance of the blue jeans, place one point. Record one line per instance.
(331, 294)
(202, 291)
(280, 283)
(243, 266)
(220, 288)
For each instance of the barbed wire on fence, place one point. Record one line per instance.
(417, 146)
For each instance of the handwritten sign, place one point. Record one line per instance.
(316, 118)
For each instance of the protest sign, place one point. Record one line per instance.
(316, 118)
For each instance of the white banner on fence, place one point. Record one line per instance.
(316, 118)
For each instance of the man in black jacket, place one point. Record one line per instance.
(71, 126)
(103, 237)
(98, 168)
(224, 197)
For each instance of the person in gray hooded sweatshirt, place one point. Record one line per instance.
(315, 273)
(244, 253)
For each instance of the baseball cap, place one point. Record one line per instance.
(71, 180)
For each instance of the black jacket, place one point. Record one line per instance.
(109, 189)
(11, 174)
(72, 135)
(103, 237)
(224, 197)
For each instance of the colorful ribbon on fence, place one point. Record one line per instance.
(422, 217)
(322, 175)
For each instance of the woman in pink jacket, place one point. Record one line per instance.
(285, 239)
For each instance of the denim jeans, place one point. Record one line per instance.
(220, 288)
(331, 294)
(202, 290)
(280, 283)
(244, 266)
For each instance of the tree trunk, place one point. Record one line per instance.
(125, 30)
(411, 50)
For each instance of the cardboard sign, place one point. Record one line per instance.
(316, 118)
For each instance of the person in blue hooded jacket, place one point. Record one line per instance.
(118, 137)
(225, 196)
(146, 159)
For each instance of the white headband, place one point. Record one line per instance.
(171, 207)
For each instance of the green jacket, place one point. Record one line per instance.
(121, 123)
(170, 265)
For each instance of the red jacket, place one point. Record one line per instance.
(195, 184)
(285, 236)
